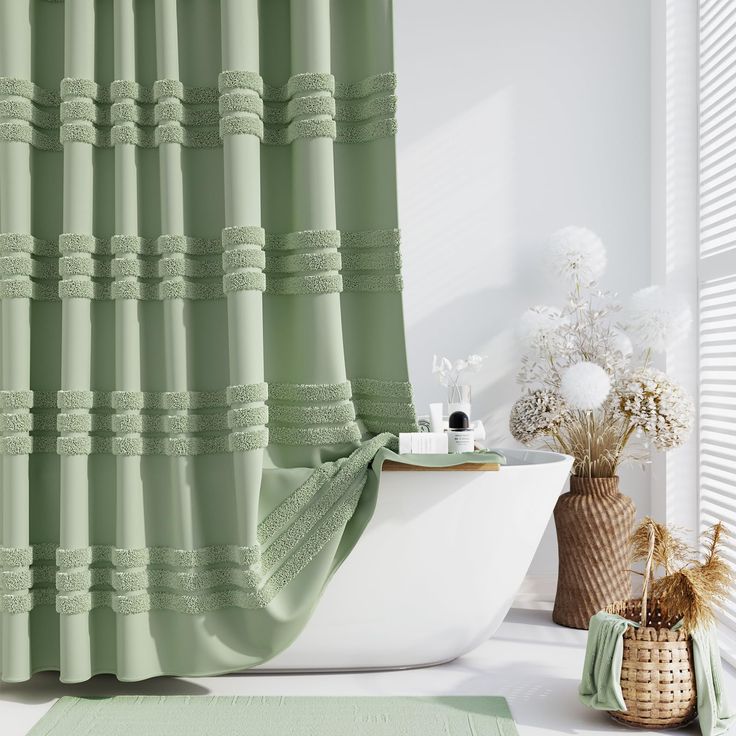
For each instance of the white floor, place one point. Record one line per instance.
(533, 663)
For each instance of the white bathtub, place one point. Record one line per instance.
(436, 569)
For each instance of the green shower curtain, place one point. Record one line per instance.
(201, 334)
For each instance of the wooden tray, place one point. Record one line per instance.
(474, 467)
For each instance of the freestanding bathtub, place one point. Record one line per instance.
(435, 571)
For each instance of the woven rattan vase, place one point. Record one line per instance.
(594, 522)
(657, 675)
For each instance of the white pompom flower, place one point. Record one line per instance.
(656, 318)
(577, 254)
(539, 326)
(584, 385)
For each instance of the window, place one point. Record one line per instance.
(717, 271)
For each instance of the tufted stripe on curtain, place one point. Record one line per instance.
(371, 260)
(311, 414)
(143, 579)
(222, 421)
(312, 254)
(126, 113)
(243, 259)
(381, 403)
(298, 413)
(131, 267)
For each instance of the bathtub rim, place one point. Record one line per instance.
(540, 458)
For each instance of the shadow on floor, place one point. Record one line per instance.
(545, 631)
(45, 687)
(539, 697)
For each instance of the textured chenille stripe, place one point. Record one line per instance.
(244, 258)
(371, 260)
(306, 536)
(79, 422)
(384, 405)
(191, 581)
(124, 112)
(311, 414)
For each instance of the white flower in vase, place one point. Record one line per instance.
(588, 393)
(621, 343)
(442, 367)
(582, 357)
(450, 374)
(657, 319)
(536, 414)
(577, 254)
(585, 385)
(651, 402)
(539, 328)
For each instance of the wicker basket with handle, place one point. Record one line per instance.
(657, 673)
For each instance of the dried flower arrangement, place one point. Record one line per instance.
(590, 385)
(674, 639)
(689, 588)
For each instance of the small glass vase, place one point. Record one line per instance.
(458, 398)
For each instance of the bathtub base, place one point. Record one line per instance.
(266, 670)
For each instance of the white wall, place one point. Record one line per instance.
(516, 117)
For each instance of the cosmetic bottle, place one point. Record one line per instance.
(460, 434)
(435, 418)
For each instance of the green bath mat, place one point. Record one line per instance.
(202, 715)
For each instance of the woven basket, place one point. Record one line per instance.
(657, 673)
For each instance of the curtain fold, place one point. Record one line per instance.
(201, 335)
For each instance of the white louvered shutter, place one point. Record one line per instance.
(717, 271)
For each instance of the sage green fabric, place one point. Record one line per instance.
(435, 461)
(201, 336)
(181, 715)
(600, 685)
(715, 715)
(601, 682)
